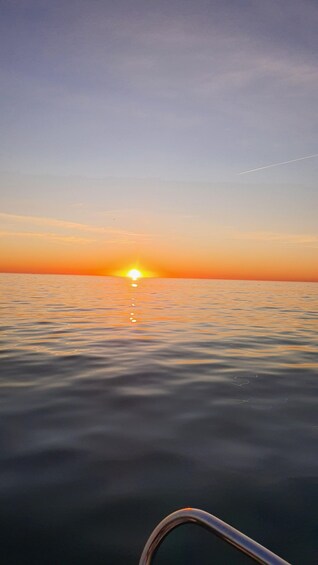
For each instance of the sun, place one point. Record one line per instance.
(134, 274)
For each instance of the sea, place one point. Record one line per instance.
(123, 401)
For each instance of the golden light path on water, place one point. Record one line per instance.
(134, 275)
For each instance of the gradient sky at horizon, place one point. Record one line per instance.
(126, 125)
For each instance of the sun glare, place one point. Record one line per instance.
(134, 274)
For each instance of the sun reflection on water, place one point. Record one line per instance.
(132, 318)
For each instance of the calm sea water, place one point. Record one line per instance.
(120, 404)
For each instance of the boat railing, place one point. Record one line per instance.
(213, 524)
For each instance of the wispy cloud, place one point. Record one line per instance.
(53, 222)
(40, 221)
(308, 240)
(47, 236)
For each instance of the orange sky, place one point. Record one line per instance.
(47, 245)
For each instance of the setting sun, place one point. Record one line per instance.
(134, 274)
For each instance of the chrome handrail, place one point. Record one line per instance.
(232, 536)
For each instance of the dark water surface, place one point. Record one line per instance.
(120, 404)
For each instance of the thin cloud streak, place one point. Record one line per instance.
(307, 240)
(279, 164)
(48, 235)
(68, 225)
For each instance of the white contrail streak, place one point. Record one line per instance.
(278, 164)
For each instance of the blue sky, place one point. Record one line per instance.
(154, 108)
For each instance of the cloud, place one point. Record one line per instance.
(164, 57)
(67, 225)
(53, 222)
(307, 240)
(47, 235)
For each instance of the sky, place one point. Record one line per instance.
(141, 133)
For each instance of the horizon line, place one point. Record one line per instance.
(247, 279)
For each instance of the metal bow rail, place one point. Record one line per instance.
(232, 536)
